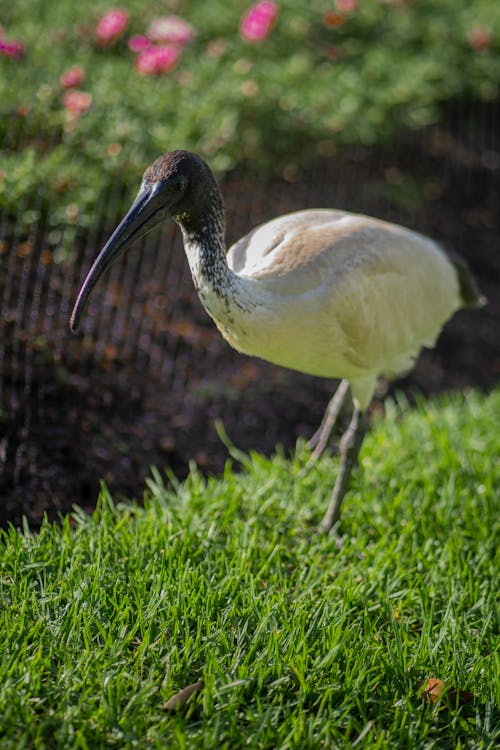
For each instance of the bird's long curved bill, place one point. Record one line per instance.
(145, 213)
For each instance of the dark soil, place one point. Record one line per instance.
(150, 375)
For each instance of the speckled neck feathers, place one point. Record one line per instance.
(204, 244)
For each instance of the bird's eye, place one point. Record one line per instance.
(179, 184)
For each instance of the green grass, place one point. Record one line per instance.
(300, 645)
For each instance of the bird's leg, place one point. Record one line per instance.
(320, 438)
(349, 450)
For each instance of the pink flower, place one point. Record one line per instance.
(138, 43)
(170, 29)
(258, 21)
(480, 38)
(12, 49)
(72, 78)
(346, 6)
(76, 102)
(156, 60)
(111, 26)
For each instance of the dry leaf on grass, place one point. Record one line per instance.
(433, 690)
(179, 700)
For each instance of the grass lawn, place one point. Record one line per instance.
(299, 644)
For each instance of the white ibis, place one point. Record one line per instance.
(324, 292)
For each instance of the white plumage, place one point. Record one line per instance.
(325, 292)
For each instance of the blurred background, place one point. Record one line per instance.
(386, 107)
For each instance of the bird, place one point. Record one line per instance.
(325, 292)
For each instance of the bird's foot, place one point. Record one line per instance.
(317, 453)
(330, 521)
(349, 450)
(332, 533)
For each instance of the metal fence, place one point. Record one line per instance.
(148, 376)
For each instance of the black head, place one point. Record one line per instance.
(182, 165)
(185, 183)
(178, 185)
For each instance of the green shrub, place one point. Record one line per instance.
(320, 79)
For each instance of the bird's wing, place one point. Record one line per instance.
(305, 248)
(370, 291)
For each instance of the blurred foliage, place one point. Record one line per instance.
(321, 79)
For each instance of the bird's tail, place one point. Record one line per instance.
(469, 290)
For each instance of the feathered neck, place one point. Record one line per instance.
(203, 231)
